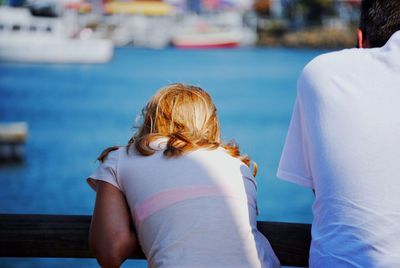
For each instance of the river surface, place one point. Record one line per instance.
(75, 111)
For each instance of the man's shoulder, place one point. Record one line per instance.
(331, 61)
(321, 72)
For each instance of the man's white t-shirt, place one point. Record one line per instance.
(344, 142)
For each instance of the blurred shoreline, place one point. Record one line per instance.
(184, 24)
(316, 37)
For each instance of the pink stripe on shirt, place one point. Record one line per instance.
(169, 197)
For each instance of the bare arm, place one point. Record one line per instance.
(112, 238)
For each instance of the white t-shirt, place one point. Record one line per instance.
(344, 142)
(196, 210)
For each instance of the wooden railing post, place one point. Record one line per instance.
(66, 236)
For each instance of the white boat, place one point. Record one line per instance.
(141, 31)
(222, 30)
(206, 36)
(25, 38)
(140, 23)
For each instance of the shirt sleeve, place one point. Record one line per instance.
(106, 171)
(294, 164)
(250, 186)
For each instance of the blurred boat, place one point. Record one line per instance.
(12, 140)
(141, 31)
(223, 30)
(140, 23)
(206, 37)
(26, 38)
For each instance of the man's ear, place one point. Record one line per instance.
(362, 42)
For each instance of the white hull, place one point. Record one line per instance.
(221, 30)
(54, 50)
(211, 38)
(25, 38)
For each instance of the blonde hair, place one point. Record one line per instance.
(187, 117)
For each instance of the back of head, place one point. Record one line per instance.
(380, 19)
(183, 114)
(186, 117)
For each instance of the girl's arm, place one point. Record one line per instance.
(112, 238)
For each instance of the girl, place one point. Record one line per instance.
(189, 198)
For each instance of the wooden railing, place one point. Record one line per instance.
(65, 236)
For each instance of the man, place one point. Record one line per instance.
(344, 143)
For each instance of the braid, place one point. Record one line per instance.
(177, 144)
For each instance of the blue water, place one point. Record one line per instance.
(75, 111)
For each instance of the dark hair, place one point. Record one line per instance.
(380, 19)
